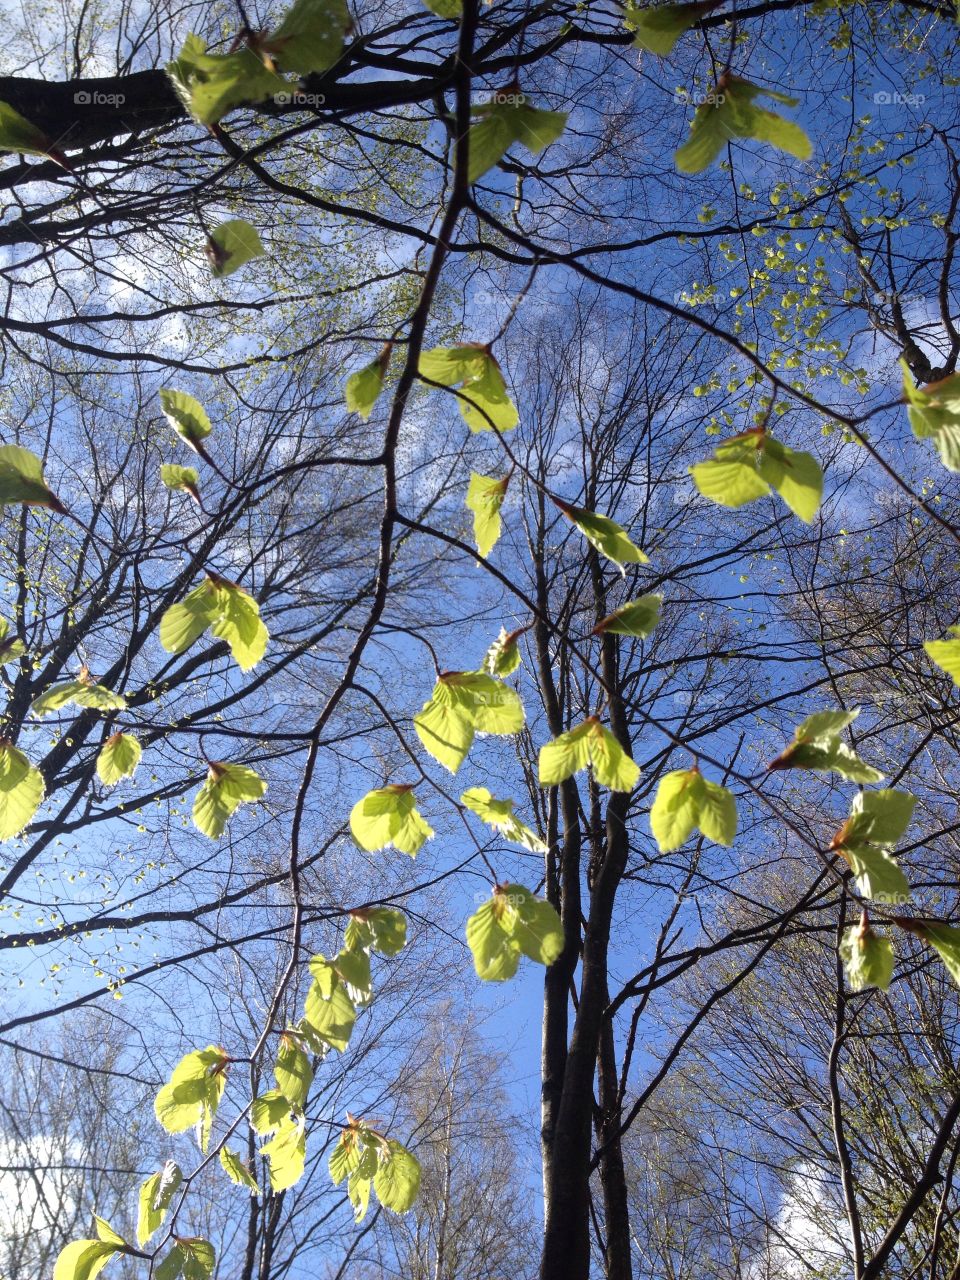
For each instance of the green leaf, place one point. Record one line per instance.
(485, 497)
(503, 656)
(364, 387)
(328, 1019)
(185, 479)
(82, 692)
(816, 745)
(171, 1266)
(499, 815)
(749, 465)
(445, 8)
(510, 924)
(934, 414)
(729, 112)
(21, 790)
(310, 37)
(231, 245)
(946, 654)
(199, 1258)
(376, 929)
(508, 118)
(718, 814)
(18, 134)
(210, 85)
(229, 612)
(877, 821)
(287, 1149)
(353, 967)
(192, 1094)
(609, 538)
(676, 809)
(483, 399)
(944, 938)
(637, 618)
(867, 957)
(397, 1180)
(389, 817)
(237, 1171)
(293, 1072)
(21, 480)
(189, 420)
(659, 28)
(155, 1196)
(83, 1259)
(118, 758)
(464, 703)
(10, 646)
(589, 743)
(227, 787)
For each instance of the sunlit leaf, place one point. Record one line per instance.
(18, 134)
(237, 1171)
(118, 758)
(155, 1196)
(389, 817)
(817, 745)
(227, 610)
(589, 743)
(636, 618)
(293, 1072)
(609, 538)
(210, 85)
(499, 815)
(506, 119)
(192, 1094)
(748, 466)
(659, 27)
(184, 479)
(227, 786)
(231, 245)
(82, 692)
(21, 790)
(21, 480)
(934, 413)
(329, 1014)
(83, 1260)
(310, 37)
(510, 924)
(867, 957)
(485, 496)
(503, 656)
(729, 112)
(364, 387)
(189, 420)
(464, 703)
(483, 399)
(376, 929)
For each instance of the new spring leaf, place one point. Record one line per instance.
(465, 703)
(748, 466)
(387, 817)
(155, 1196)
(474, 371)
(685, 800)
(192, 1094)
(513, 923)
(227, 786)
(485, 495)
(609, 538)
(660, 27)
(499, 815)
(21, 480)
(229, 613)
(21, 790)
(506, 119)
(876, 823)
(730, 112)
(590, 743)
(118, 758)
(817, 745)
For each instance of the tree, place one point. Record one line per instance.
(357, 332)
